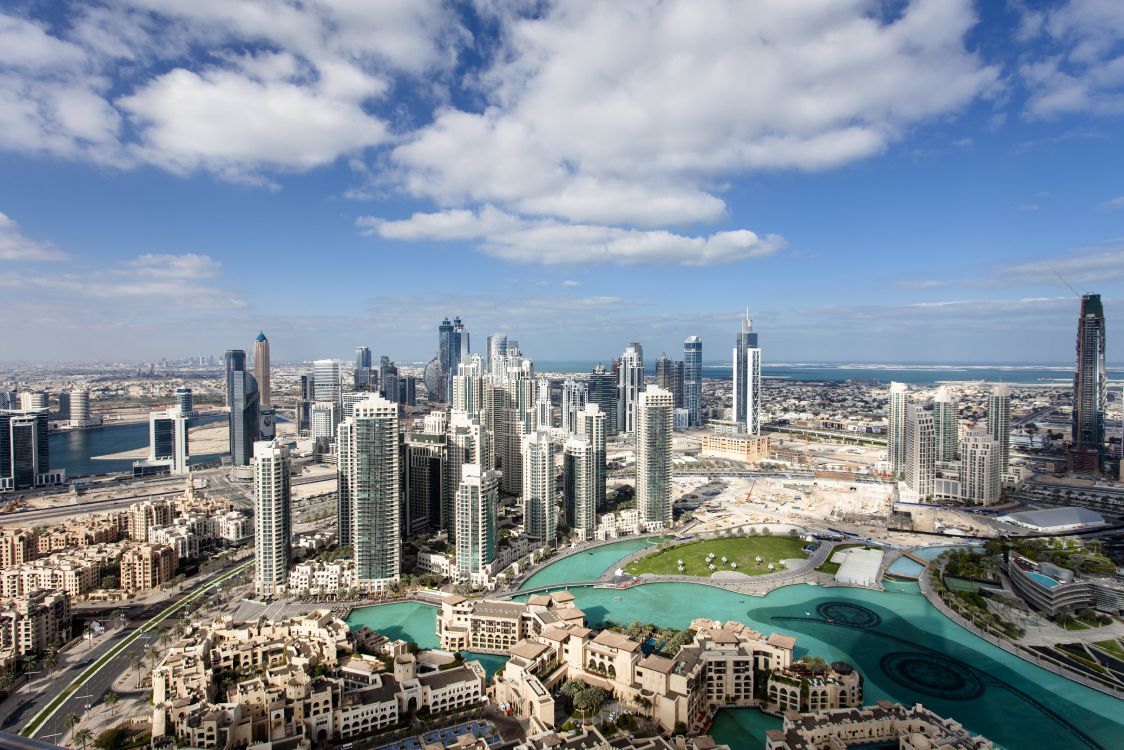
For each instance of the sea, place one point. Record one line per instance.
(916, 373)
(75, 450)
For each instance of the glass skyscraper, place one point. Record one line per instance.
(692, 380)
(1090, 388)
(242, 396)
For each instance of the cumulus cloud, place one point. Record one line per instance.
(553, 242)
(1113, 204)
(925, 284)
(1084, 69)
(622, 113)
(15, 246)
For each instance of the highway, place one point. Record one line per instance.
(87, 682)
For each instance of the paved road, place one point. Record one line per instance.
(89, 678)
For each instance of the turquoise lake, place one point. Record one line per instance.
(905, 649)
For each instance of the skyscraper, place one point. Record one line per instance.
(591, 425)
(466, 443)
(167, 440)
(999, 422)
(631, 384)
(497, 351)
(452, 348)
(692, 380)
(575, 395)
(980, 469)
(540, 512)
(670, 376)
(424, 456)
(272, 529)
(578, 481)
(603, 392)
(1090, 388)
(24, 450)
(895, 427)
(242, 396)
(747, 380)
(920, 450)
(476, 522)
(516, 417)
(364, 374)
(544, 408)
(947, 424)
(655, 417)
(326, 380)
(369, 453)
(261, 367)
(184, 401)
(468, 387)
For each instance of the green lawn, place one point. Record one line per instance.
(743, 550)
(1111, 647)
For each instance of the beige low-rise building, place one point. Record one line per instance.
(75, 572)
(32, 623)
(147, 566)
(295, 682)
(909, 728)
(800, 689)
(716, 669)
(735, 446)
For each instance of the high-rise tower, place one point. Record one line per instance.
(540, 512)
(747, 379)
(272, 529)
(1090, 388)
(920, 450)
(369, 452)
(895, 427)
(692, 380)
(261, 367)
(591, 423)
(946, 423)
(476, 521)
(654, 421)
(603, 392)
(630, 385)
(242, 397)
(575, 395)
(578, 481)
(999, 422)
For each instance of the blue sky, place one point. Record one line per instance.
(875, 181)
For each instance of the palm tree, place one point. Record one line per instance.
(83, 736)
(72, 720)
(111, 700)
(51, 660)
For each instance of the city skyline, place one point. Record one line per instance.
(909, 197)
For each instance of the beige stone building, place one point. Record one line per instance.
(909, 728)
(145, 514)
(735, 446)
(552, 644)
(147, 566)
(295, 682)
(30, 624)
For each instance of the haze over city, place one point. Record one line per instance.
(876, 181)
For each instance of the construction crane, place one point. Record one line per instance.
(1062, 279)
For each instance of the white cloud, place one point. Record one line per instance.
(619, 113)
(14, 246)
(231, 124)
(154, 283)
(1113, 204)
(571, 283)
(926, 284)
(553, 242)
(1087, 75)
(1089, 266)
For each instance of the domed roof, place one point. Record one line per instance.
(261, 336)
(842, 667)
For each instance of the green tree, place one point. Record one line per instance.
(72, 720)
(82, 736)
(111, 699)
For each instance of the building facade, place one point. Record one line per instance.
(272, 511)
(653, 458)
